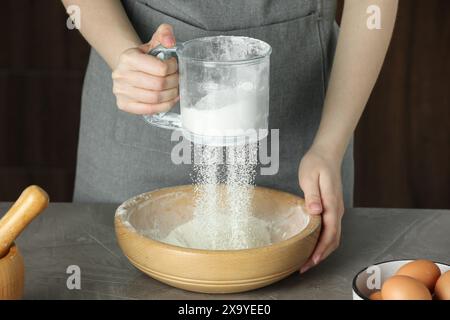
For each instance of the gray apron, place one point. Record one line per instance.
(120, 156)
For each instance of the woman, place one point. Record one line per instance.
(120, 156)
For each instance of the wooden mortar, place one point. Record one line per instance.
(31, 202)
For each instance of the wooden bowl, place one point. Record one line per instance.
(214, 271)
(11, 275)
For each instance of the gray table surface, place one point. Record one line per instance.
(83, 234)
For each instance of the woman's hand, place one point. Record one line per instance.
(320, 179)
(144, 84)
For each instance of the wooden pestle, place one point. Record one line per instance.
(31, 202)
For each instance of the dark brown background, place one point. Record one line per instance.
(402, 143)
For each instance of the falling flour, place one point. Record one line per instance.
(223, 217)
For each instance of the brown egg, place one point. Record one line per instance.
(442, 289)
(376, 296)
(404, 288)
(423, 270)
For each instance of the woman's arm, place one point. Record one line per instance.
(106, 27)
(142, 83)
(359, 57)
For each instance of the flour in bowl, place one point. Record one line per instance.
(198, 234)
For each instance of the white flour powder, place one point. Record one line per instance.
(235, 111)
(223, 213)
(220, 234)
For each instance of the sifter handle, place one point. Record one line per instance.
(166, 120)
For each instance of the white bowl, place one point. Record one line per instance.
(385, 270)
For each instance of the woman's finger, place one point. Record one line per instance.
(139, 61)
(327, 240)
(332, 201)
(146, 81)
(146, 96)
(334, 245)
(311, 190)
(307, 265)
(327, 243)
(331, 224)
(331, 190)
(163, 35)
(146, 108)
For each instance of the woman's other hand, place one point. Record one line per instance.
(320, 180)
(143, 84)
